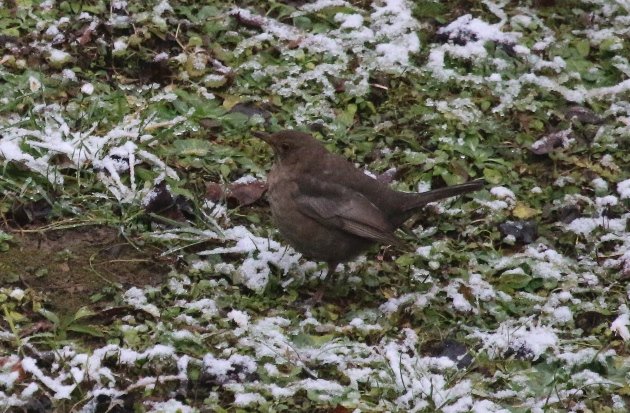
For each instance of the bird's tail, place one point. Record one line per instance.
(421, 199)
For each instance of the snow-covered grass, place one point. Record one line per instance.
(120, 113)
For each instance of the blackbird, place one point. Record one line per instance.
(329, 210)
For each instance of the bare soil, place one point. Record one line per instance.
(69, 266)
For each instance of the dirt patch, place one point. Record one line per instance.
(69, 266)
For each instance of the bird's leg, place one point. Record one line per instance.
(332, 267)
(319, 294)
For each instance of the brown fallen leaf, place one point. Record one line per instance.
(247, 193)
(295, 43)
(250, 109)
(340, 409)
(214, 191)
(16, 367)
(38, 327)
(249, 20)
(625, 267)
(388, 176)
(552, 141)
(524, 232)
(236, 193)
(161, 202)
(86, 36)
(583, 115)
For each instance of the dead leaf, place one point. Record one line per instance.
(552, 141)
(604, 172)
(30, 213)
(86, 36)
(214, 191)
(160, 200)
(568, 213)
(583, 115)
(340, 409)
(249, 20)
(247, 193)
(524, 232)
(388, 176)
(625, 267)
(295, 43)
(236, 193)
(38, 327)
(163, 203)
(229, 101)
(16, 367)
(250, 109)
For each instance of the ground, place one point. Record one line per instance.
(140, 268)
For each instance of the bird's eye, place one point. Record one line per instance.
(285, 146)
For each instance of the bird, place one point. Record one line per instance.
(331, 211)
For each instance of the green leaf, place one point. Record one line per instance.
(10, 277)
(302, 22)
(308, 340)
(346, 118)
(415, 158)
(535, 284)
(83, 312)
(50, 316)
(191, 147)
(514, 281)
(406, 260)
(492, 175)
(583, 47)
(429, 9)
(579, 65)
(608, 43)
(14, 316)
(85, 329)
(11, 31)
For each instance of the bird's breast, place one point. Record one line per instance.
(282, 189)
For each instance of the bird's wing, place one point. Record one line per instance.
(337, 206)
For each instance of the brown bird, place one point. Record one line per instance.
(329, 210)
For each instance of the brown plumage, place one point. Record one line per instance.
(331, 211)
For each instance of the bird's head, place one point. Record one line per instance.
(288, 143)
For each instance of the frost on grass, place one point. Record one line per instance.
(621, 323)
(259, 254)
(384, 39)
(263, 344)
(466, 39)
(504, 199)
(623, 188)
(136, 298)
(522, 336)
(58, 146)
